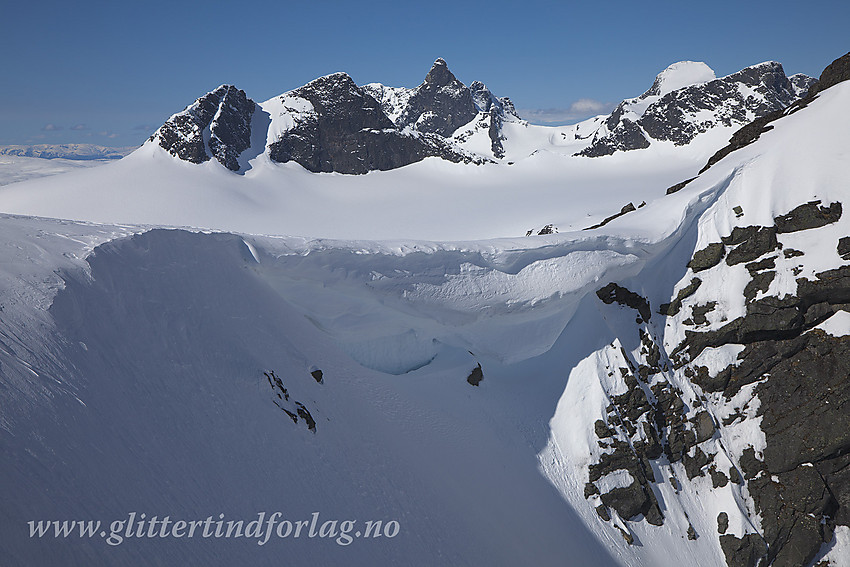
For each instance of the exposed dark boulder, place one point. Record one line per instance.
(694, 464)
(718, 478)
(844, 247)
(304, 414)
(808, 215)
(476, 376)
(602, 510)
(707, 257)
(760, 282)
(698, 313)
(614, 293)
(765, 264)
(628, 501)
(703, 426)
(743, 552)
(750, 243)
(722, 522)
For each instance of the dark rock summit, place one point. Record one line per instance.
(348, 132)
(224, 115)
(440, 105)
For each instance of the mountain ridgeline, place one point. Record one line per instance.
(333, 125)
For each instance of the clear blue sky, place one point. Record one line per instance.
(110, 72)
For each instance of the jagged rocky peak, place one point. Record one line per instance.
(439, 74)
(337, 95)
(668, 110)
(217, 125)
(486, 101)
(801, 83)
(440, 105)
(336, 126)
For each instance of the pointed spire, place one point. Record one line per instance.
(439, 74)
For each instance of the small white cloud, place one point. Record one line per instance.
(79, 127)
(589, 106)
(578, 110)
(51, 128)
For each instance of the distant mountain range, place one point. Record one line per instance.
(333, 125)
(66, 151)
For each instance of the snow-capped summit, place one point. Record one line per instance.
(680, 75)
(686, 101)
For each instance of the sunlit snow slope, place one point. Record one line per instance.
(133, 357)
(433, 199)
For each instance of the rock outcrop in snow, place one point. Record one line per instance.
(742, 381)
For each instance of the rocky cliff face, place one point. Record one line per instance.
(741, 378)
(216, 125)
(683, 113)
(341, 128)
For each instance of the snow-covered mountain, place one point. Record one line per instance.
(252, 167)
(668, 388)
(686, 100)
(333, 125)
